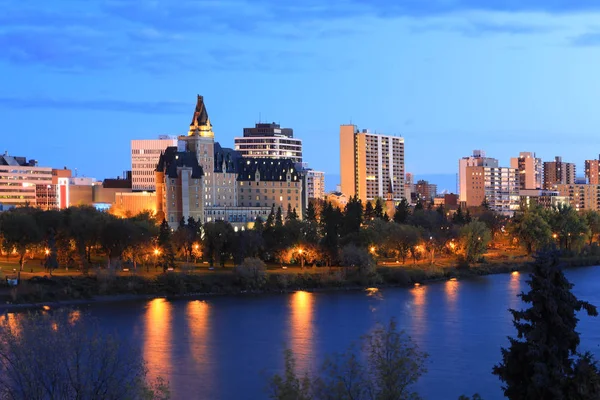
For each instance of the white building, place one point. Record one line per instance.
(269, 141)
(19, 178)
(144, 157)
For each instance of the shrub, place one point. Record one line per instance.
(251, 273)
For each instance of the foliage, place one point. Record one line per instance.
(532, 230)
(358, 258)
(543, 361)
(474, 238)
(392, 364)
(402, 212)
(64, 355)
(252, 273)
(218, 241)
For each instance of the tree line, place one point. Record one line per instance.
(328, 235)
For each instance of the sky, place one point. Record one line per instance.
(80, 79)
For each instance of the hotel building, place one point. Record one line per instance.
(144, 158)
(369, 163)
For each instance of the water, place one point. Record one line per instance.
(224, 348)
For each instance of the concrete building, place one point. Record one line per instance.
(369, 162)
(529, 170)
(54, 196)
(409, 187)
(425, 190)
(592, 171)
(315, 184)
(478, 159)
(19, 179)
(558, 172)
(269, 141)
(128, 204)
(144, 158)
(541, 197)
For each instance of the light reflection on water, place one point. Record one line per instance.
(301, 328)
(157, 346)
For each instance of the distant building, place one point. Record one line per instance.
(56, 195)
(481, 179)
(529, 170)
(425, 190)
(542, 197)
(338, 199)
(369, 162)
(409, 187)
(558, 172)
(592, 171)
(269, 141)
(581, 196)
(19, 179)
(315, 184)
(144, 158)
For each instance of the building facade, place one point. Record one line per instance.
(496, 185)
(144, 158)
(425, 190)
(529, 170)
(315, 184)
(19, 180)
(558, 172)
(541, 197)
(269, 141)
(581, 196)
(369, 162)
(465, 180)
(592, 171)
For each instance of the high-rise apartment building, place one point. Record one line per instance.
(592, 170)
(370, 163)
(144, 158)
(581, 196)
(269, 141)
(19, 180)
(425, 190)
(478, 159)
(315, 184)
(529, 170)
(482, 179)
(558, 172)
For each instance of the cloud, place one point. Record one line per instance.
(586, 40)
(483, 28)
(142, 107)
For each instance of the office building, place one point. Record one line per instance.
(56, 195)
(144, 158)
(269, 141)
(529, 170)
(19, 179)
(592, 170)
(369, 163)
(558, 172)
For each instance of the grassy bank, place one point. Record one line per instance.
(106, 285)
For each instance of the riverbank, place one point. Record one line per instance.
(106, 287)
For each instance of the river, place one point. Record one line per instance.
(224, 347)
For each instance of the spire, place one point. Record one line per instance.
(390, 186)
(200, 122)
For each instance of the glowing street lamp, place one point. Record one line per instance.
(300, 251)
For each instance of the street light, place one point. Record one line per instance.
(301, 258)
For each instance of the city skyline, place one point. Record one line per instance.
(98, 75)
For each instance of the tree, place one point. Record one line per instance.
(83, 224)
(369, 211)
(218, 241)
(251, 273)
(570, 227)
(592, 218)
(532, 230)
(115, 236)
(19, 232)
(291, 214)
(65, 355)
(419, 205)
(270, 219)
(353, 215)
(167, 254)
(474, 238)
(378, 211)
(50, 223)
(402, 212)
(392, 364)
(401, 239)
(543, 361)
(330, 221)
(458, 217)
(278, 218)
(311, 212)
(358, 258)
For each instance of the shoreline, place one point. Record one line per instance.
(450, 273)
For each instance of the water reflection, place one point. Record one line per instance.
(451, 291)
(158, 340)
(197, 319)
(419, 294)
(514, 288)
(302, 329)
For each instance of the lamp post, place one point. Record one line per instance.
(156, 253)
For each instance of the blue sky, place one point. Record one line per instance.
(80, 79)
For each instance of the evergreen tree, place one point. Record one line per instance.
(458, 217)
(278, 218)
(468, 218)
(167, 254)
(441, 211)
(259, 226)
(543, 361)
(288, 214)
(419, 205)
(379, 213)
(181, 223)
(352, 216)
(311, 213)
(485, 205)
(270, 219)
(369, 212)
(294, 215)
(402, 212)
